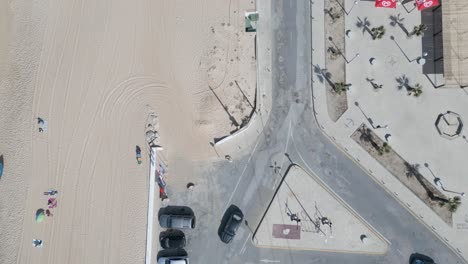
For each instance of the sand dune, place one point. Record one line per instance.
(95, 70)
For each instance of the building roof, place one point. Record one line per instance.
(455, 41)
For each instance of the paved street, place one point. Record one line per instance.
(291, 128)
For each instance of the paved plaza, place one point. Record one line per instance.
(305, 214)
(408, 122)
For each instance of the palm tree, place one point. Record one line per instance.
(366, 134)
(333, 15)
(364, 25)
(384, 149)
(454, 203)
(419, 30)
(339, 87)
(416, 91)
(412, 169)
(378, 32)
(334, 53)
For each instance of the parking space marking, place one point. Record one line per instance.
(244, 246)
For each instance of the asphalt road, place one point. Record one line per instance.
(250, 182)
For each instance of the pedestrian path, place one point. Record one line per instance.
(340, 132)
(299, 218)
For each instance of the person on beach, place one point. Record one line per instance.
(48, 213)
(42, 124)
(40, 121)
(51, 192)
(37, 243)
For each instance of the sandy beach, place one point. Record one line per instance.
(95, 70)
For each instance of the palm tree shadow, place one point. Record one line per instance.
(323, 75)
(364, 25)
(403, 82)
(367, 136)
(397, 20)
(412, 170)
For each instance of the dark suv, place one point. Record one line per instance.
(230, 223)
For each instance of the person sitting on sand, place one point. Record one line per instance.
(37, 243)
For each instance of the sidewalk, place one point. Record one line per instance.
(340, 132)
(319, 220)
(237, 143)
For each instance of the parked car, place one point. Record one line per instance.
(173, 256)
(231, 222)
(177, 221)
(417, 258)
(172, 238)
(173, 260)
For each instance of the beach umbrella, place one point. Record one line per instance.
(39, 215)
(423, 4)
(386, 3)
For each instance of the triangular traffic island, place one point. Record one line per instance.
(306, 215)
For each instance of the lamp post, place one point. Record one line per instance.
(422, 59)
(355, 3)
(439, 183)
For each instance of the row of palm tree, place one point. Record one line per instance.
(367, 136)
(398, 21)
(379, 32)
(412, 170)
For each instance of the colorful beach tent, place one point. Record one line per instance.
(423, 4)
(52, 202)
(39, 215)
(386, 3)
(1, 165)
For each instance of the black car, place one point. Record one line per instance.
(172, 238)
(230, 223)
(417, 258)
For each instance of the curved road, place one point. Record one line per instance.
(291, 128)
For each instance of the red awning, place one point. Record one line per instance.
(386, 3)
(423, 4)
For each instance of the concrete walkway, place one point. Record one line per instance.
(306, 197)
(404, 124)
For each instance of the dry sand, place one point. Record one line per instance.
(95, 70)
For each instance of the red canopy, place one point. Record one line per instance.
(386, 3)
(423, 4)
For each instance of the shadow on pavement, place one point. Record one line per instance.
(175, 252)
(176, 210)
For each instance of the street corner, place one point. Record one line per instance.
(306, 215)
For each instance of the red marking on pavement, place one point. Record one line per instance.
(287, 231)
